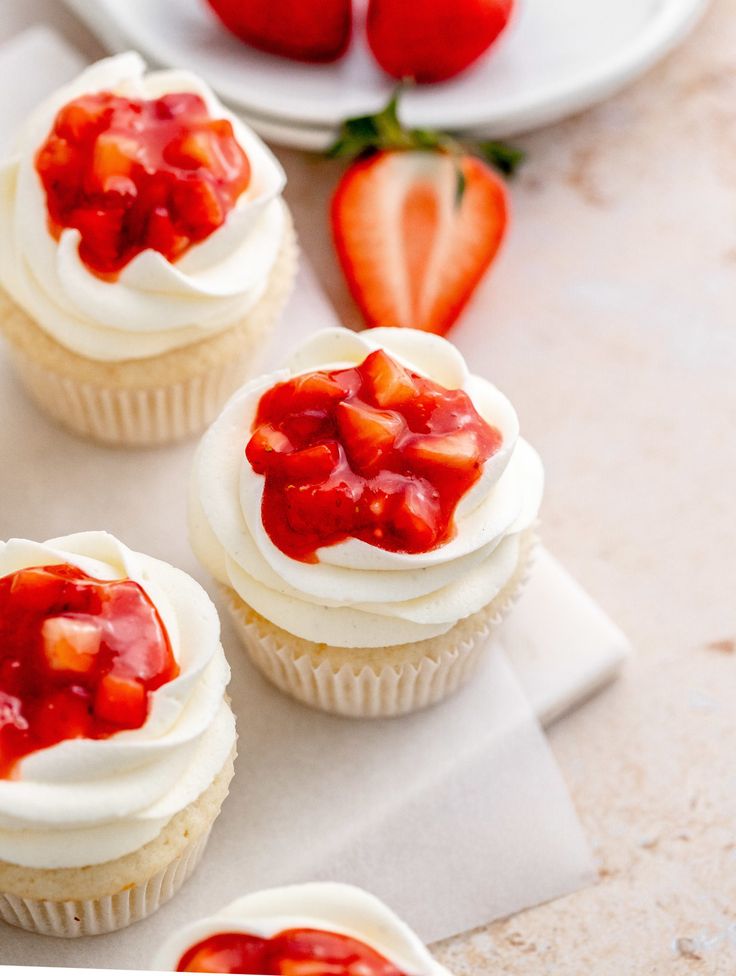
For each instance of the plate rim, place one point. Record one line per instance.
(667, 27)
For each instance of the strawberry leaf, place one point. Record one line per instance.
(503, 157)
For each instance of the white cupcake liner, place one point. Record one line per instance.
(380, 690)
(71, 919)
(367, 693)
(132, 417)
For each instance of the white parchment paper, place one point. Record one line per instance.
(454, 816)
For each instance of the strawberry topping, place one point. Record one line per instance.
(131, 174)
(375, 453)
(78, 659)
(295, 952)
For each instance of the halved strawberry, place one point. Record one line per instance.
(369, 435)
(306, 30)
(387, 383)
(121, 701)
(71, 644)
(411, 251)
(265, 448)
(433, 40)
(442, 453)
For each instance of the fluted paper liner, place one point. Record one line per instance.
(398, 681)
(71, 919)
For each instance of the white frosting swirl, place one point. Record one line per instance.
(338, 908)
(154, 306)
(359, 595)
(86, 801)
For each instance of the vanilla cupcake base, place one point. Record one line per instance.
(101, 898)
(146, 402)
(377, 682)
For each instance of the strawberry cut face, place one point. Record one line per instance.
(79, 658)
(132, 174)
(375, 453)
(294, 952)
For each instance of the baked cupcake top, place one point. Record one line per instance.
(112, 711)
(137, 214)
(373, 493)
(289, 930)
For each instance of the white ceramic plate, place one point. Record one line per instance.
(555, 59)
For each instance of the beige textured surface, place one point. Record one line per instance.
(610, 321)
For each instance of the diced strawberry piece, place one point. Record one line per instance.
(313, 952)
(35, 590)
(386, 382)
(265, 448)
(326, 509)
(114, 156)
(444, 452)
(311, 391)
(369, 435)
(417, 517)
(312, 463)
(121, 701)
(80, 118)
(70, 643)
(191, 149)
(63, 714)
(101, 238)
(228, 952)
(56, 154)
(162, 235)
(198, 205)
(307, 426)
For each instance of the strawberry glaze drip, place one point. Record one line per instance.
(78, 659)
(295, 952)
(132, 174)
(374, 452)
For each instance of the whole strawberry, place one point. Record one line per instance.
(416, 221)
(305, 30)
(433, 40)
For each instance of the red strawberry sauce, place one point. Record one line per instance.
(132, 174)
(295, 952)
(78, 659)
(373, 452)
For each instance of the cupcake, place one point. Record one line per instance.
(116, 739)
(370, 513)
(145, 252)
(305, 929)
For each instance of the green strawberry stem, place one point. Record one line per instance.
(367, 134)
